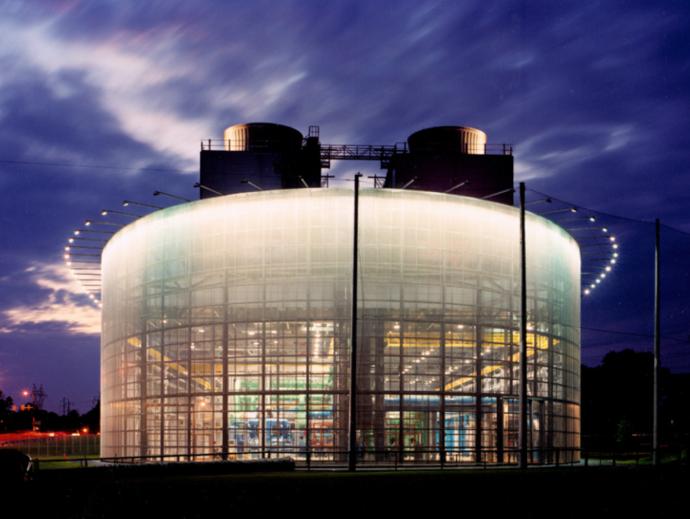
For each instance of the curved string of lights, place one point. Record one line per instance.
(599, 246)
(82, 252)
(82, 256)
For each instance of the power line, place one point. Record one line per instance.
(675, 229)
(633, 334)
(610, 215)
(579, 206)
(89, 166)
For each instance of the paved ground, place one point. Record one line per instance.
(539, 492)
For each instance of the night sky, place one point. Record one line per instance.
(103, 101)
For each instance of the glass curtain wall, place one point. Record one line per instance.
(226, 331)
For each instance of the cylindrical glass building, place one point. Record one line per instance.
(227, 330)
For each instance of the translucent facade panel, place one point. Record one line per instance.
(227, 330)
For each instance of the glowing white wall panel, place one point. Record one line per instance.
(226, 329)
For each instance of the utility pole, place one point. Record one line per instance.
(523, 430)
(378, 181)
(38, 396)
(352, 457)
(657, 341)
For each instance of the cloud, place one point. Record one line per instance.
(126, 77)
(62, 304)
(372, 72)
(54, 120)
(591, 98)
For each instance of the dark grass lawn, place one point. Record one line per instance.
(539, 492)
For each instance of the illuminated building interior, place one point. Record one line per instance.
(227, 329)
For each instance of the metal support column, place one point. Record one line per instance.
(522, 432)
(442, 393)
(352, 454)
(657, 342)
(162, 348)
(479, 332)
(307, 384)
(499, 429)
(143, 393)
(225, 439)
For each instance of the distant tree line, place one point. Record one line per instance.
(30, 417)
(617, 404)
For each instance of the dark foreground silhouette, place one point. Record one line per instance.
(540, 492)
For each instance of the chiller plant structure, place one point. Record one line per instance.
(227, 321)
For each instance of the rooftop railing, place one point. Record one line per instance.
(348, 151)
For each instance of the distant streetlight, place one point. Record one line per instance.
(98, 231)
(245, 181)
(457, 186)
(106, 212)
(408, 183)
(89, 223)
(557, 211)
(73, 238)
(546, 200)
(127, 203)
(170, 195)
(209, 189)
(498, 193)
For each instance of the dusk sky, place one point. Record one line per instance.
(102, 101)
